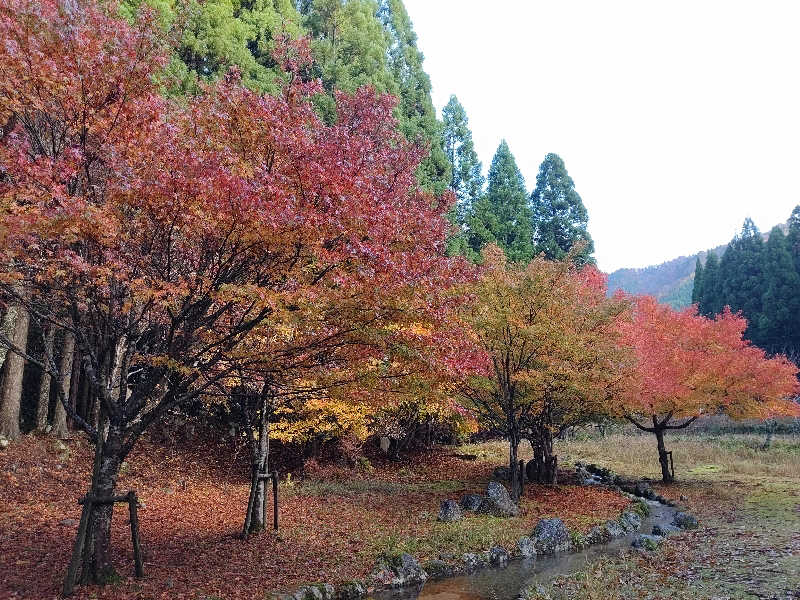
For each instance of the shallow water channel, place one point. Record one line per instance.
(508, 582)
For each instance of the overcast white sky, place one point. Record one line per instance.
(676, 119)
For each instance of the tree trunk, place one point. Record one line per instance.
(98, 566)
(60, 416)
(516, 476)
(770, 425)
(255, 519)
(543, 467)
(11, 390)
(43, 407)
(663, 458)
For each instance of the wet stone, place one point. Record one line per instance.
(498, 556)
(665, 530)
(647, 542)
(630, 521)
(614, 529)
(526, 547)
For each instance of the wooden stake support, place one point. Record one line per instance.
(82, 541)
(256, 478)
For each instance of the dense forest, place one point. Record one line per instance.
(759, 278)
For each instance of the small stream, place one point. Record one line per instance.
(508, 582)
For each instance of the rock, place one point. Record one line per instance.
(665, 530)
(498, 502)
(60, 446)
(501, 474)
(351, 590)
(683, 498)
(397, 570)
(498, 556)
(550, 536)
(385, 442)
(630, 521)
(685, 520)
(450, 511)
(471, 501)
(473, 562)
(315, 591)
(583, 477)
(4, 443)
(439, 569)
(68, 522)
(647, 542)
(597, 535)
(643, 490)
(614, 529)
(526, 547)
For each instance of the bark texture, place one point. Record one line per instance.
(65, 372)
(11, 389)
(43, 406)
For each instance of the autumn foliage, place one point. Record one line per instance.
(686, 365)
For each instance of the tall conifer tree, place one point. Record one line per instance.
(697, 288)
(742, 278)
(779, 324)
(466, 181)
(559, 216)
(504, 217)
(417, 115)
(709, 297)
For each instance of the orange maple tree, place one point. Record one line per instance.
(550, 335)
(687, 365)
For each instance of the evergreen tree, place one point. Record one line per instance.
(559, 216)
(742, 278)
(779, 326)
(417, 116)
(466, 181)
(697, 289)
(504, 216)
(350, 48)
(219, 34)
(710, 293)
(793, 236)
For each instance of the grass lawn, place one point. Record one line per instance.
(333, 526)
(748, 502)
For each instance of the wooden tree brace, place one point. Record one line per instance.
(89, 502)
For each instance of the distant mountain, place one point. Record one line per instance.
(670, 282)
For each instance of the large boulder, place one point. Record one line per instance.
(584, 477)
(630, 521)
(498, 502)
(471, 501)
(526, 547)
(450, 511)
(397, 570)
(550, 536)
(685, 520)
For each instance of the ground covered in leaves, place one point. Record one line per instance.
(333, 523)
(748, 503)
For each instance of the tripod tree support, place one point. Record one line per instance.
(89, 502)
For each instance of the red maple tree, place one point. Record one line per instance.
(178, 243)
(686, 365)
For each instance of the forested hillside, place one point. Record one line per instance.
(670, 282)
